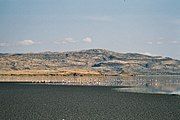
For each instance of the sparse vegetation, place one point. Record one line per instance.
(86, 62)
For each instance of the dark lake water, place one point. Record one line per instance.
(107, 99)
(24, 101)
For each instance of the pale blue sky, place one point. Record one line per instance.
(143, 26)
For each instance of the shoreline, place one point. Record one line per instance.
(58, 79)
(66, 85)
(73, 79)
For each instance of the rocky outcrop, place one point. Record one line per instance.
(104, 61)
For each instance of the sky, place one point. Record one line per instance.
(150, 27)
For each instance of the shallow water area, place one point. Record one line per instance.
(154, 85)
(139, 84)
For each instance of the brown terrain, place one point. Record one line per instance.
(93, 62)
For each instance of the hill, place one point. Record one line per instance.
(92, 61)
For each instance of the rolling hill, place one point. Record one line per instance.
(92, 61)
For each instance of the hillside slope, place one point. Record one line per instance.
(99, 60)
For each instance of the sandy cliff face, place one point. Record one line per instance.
(104, 61)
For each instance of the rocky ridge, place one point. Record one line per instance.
(102, 61)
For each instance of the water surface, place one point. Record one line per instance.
(24, 101)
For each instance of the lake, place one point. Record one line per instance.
(150, 98)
